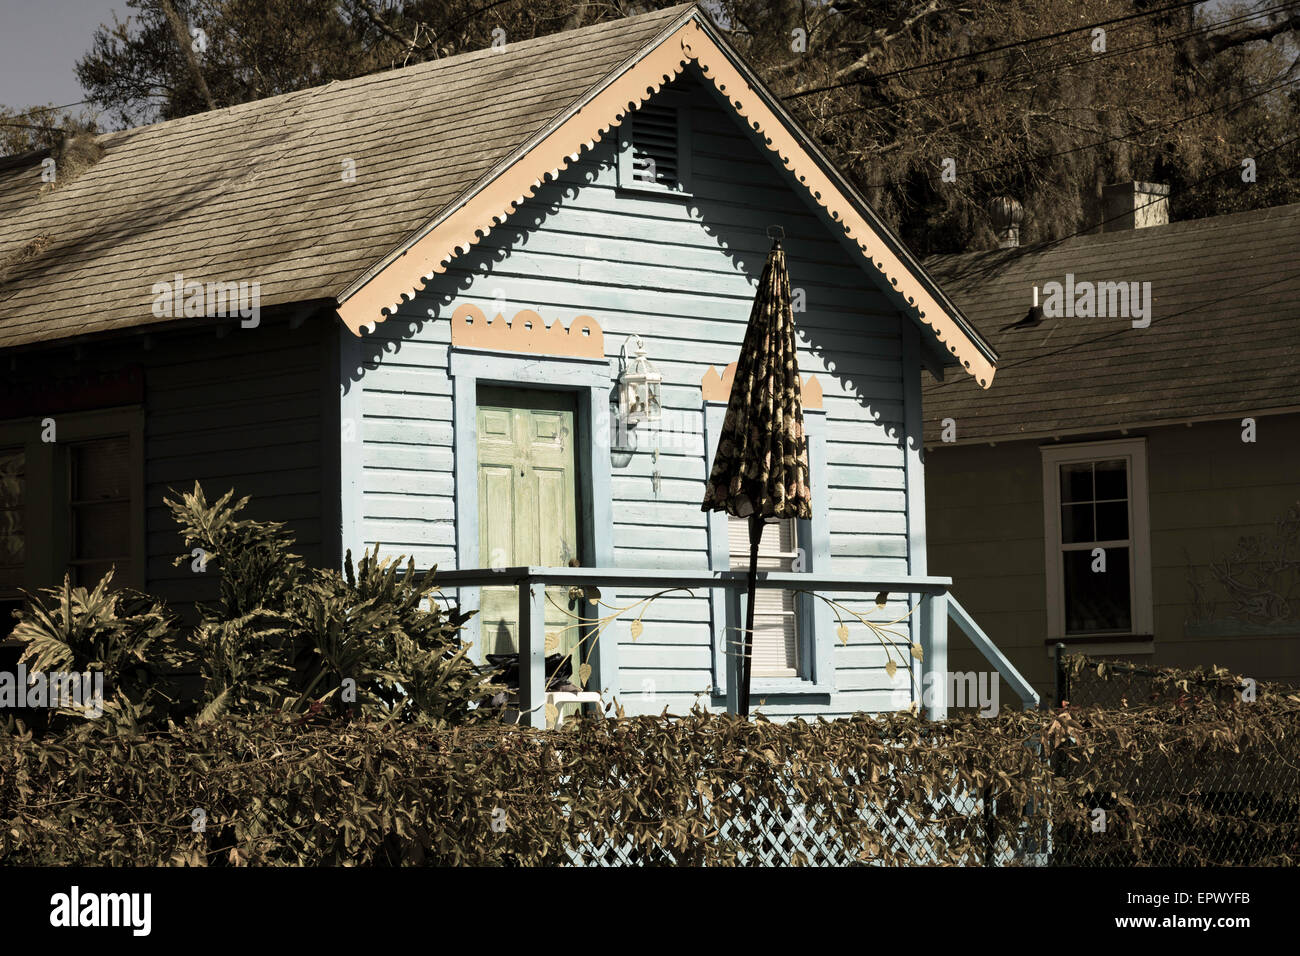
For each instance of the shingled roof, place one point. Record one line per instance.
(256, 191)
(443, 152)
(1224, 337)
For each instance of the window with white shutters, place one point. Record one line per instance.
(776, 634)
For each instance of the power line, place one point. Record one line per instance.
(977, 54)
(1055, 67)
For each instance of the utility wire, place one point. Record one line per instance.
(1056, 67)
(978, 54)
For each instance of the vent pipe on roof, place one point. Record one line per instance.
(1007, 215)
(1134, 206)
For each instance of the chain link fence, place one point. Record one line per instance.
(1221, 808)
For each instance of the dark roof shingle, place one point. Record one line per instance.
(1224, 336)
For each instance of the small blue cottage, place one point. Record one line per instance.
(408, 309)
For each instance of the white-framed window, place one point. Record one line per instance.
(1098, 539)
(776, 651)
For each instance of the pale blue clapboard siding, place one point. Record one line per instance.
(681, 273)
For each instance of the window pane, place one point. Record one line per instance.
(1076, 524)
(13, 541)
(1112, 479)
(101, 469)
(100, 524)
(776, 643)
(13, 550)
(1076, 482)
(1112, 521)
(1096, 600)
(776, 550)
(101, 531)
(88, 575)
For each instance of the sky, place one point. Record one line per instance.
(40, 41)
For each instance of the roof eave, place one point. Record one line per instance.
(689, 38)
(854, 195)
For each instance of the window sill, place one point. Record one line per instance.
(782, 687)
(1117, 638)
(1105, 643)
(648, 189)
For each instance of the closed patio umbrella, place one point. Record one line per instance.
(760, 469)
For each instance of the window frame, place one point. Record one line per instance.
(812, 615)
(627, 180)
(47, 507)
(1134, 452)
(740, 561)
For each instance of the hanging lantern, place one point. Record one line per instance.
(640, 387)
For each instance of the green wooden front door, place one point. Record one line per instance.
(527, 504)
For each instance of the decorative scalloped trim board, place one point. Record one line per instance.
(526, 332)
(432, 252)
(717, 388)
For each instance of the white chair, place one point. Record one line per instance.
(556, 698)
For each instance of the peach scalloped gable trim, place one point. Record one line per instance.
(526, 332)
(717, 388)
(431, 254)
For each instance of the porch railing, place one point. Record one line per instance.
(936, 608)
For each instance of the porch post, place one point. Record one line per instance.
(532, 653)
(934, 648)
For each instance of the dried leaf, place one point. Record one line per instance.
(917, 652)
(842, 632)
(552, 642)
(636, 629)
(552, 714)
(584, 675)
(891, 668)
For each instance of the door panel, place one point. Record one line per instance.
(528, 506)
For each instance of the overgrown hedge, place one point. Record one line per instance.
(696, 789)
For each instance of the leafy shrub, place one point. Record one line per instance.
(369, 643)
(699, 789)
(126, 636)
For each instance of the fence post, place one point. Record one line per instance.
(1062, 679)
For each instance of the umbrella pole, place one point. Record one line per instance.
(756, 523)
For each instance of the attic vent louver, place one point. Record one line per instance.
(654, 145)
